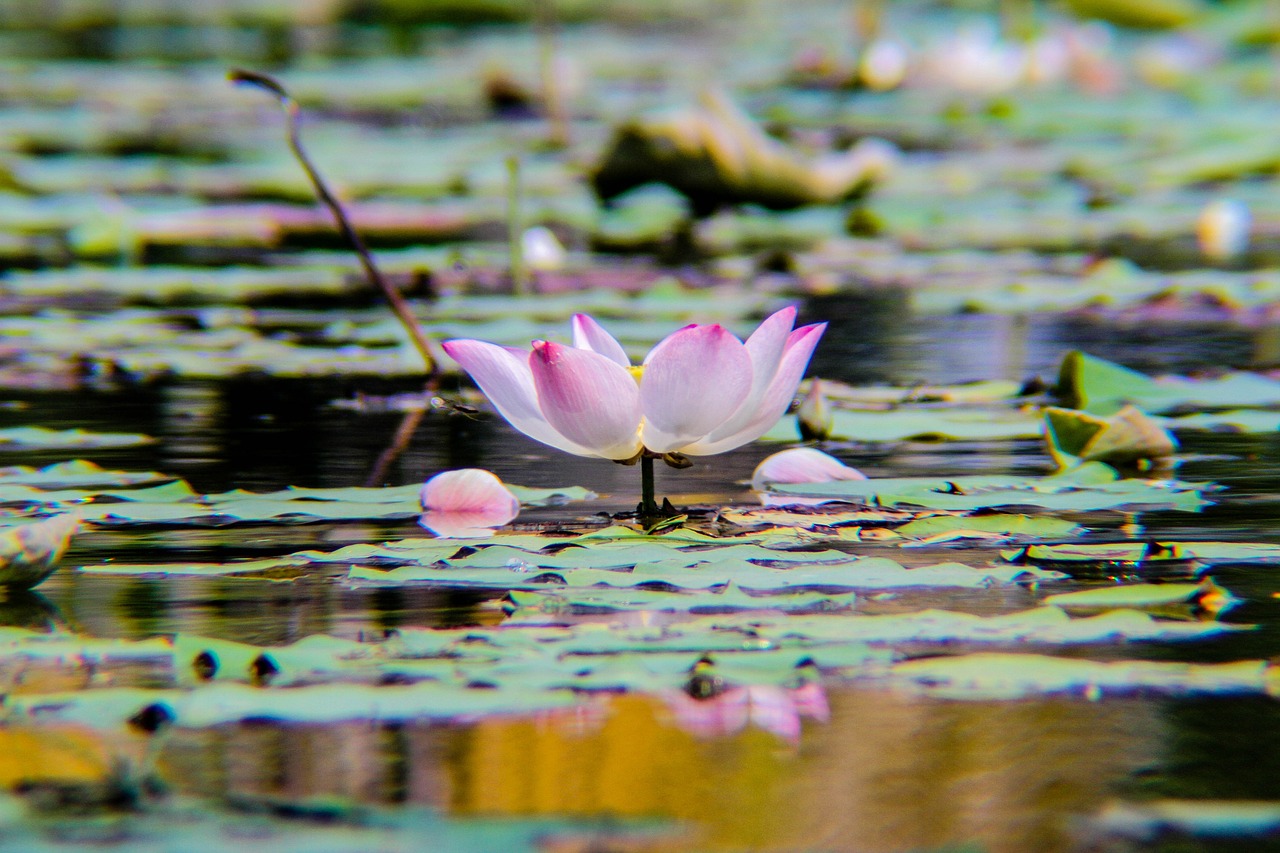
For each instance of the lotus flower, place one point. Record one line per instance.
(699, 391)
(466, 504)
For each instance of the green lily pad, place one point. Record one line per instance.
(1126, 438)
(731, 597)
(1083, 489)
(709, 572)
(1132, 554)
(293, 826)
(921, 424)
(1002, 524)
(1235, 420)
(1143, 596)
(39, 438)
(177, 503)
(989, 675)
(1101, 387)
(76, 474)
(1196, 818)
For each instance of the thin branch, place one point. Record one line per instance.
(349, 233)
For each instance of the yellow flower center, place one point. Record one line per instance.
(636, 371)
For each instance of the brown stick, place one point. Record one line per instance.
(399, 443)
(394, 299)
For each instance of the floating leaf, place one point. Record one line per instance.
(1218, 819)
(1125, 438)
(998, 524)
(1236, 420)
(177, 503)
(75, 474)
(1094, 384)
(730, 598)
(39, 438)
(921, 424)
(709, 572)
(1102, 388)
(982, 391)
(271, 568)
(1205, 597)
(988, 676)
(1085, 488)
(1129, 555)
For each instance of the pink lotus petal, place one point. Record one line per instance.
(765, 347)
(503, 375)
(587, 398)
(802, 465)
(590, 335)
(693, 380)
(777, 397)
(469, 502)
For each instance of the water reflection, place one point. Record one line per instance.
(876, 338)
(886, 773)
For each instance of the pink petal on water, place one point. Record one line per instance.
(466, 503)
(802, 465)
(693, 381)
(591, 400)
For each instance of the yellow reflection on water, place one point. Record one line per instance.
(888, 773)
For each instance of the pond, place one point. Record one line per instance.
(251, 640)
(853, 767)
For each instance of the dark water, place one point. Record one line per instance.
(877, 772)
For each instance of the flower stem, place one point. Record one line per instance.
(648, 508)
(397, 302)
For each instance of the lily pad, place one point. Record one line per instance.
(1102, 388)
(76, 474)
(998, 524)
(177, 503)
(1083, 489)
(1126, 438)
(1146, 821)
(920, 424)
(987, 676)
(40, 438)
(1205, 597)
(730, 598)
